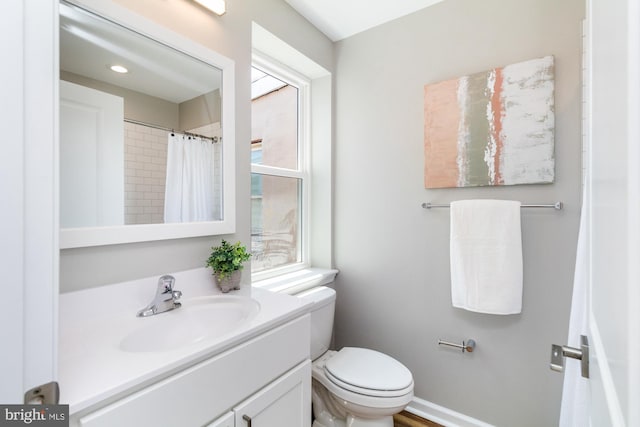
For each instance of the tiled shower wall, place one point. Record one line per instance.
(145, 151)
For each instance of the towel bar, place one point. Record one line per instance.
(556, 205)
(466, 346)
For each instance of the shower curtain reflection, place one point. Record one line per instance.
(190, 194)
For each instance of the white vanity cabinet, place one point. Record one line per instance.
(226, 420)
(285, 402)
(266, 378)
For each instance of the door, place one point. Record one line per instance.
(286, 402)
(613, 203)
(28, 197)
(91, 157)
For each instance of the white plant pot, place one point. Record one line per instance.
(229, 282)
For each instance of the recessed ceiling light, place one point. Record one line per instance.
(217, 6)
(119, 69)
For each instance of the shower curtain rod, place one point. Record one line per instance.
(149, 125)
(556, 205)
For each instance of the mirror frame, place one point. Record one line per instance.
(110, 235)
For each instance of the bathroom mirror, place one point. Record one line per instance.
(146, 130)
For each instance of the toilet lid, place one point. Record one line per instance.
(368, 369)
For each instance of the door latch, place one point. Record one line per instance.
(559, 352)
(45, 394)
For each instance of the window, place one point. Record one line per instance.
(279, 174)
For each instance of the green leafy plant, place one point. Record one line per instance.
(226, 258)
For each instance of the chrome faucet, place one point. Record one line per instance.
(166, 298)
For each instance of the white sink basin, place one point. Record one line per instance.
(198, 319)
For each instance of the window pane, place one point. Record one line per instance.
(275, 216)
(274, 121)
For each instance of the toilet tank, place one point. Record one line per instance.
(322, 311)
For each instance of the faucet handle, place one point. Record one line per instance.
(165, 283)
(176, 295)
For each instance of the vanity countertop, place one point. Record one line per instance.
(91, 365)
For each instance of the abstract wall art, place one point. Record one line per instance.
(491, 128)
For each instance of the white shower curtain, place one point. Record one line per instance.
(189, 191)
(574, 411)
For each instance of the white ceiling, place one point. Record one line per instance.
(89, 45)
(339, 19)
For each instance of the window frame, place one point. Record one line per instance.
(303, 84)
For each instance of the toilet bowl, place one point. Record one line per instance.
(352, 387)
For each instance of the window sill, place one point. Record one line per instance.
(298, 281)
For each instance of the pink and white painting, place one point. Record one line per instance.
(491, 128)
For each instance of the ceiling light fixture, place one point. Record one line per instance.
(119, 69)
(216, 6)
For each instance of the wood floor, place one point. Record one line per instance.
(405, 419)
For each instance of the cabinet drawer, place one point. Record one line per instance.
(205, 391)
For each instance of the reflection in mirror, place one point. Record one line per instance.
(141, 143)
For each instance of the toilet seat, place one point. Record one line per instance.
(368, 372)
(359, 400)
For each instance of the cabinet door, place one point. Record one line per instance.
(286, 402)
(224, 421)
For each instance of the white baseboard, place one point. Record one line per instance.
(441, 415)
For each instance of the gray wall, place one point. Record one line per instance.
(137, 105)
(193, 113)
(201, 110)
(393, 287)
(231, 36)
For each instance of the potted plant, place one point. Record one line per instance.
(226, 261)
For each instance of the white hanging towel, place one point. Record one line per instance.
(486, 256)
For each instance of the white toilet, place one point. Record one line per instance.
(353, 387)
